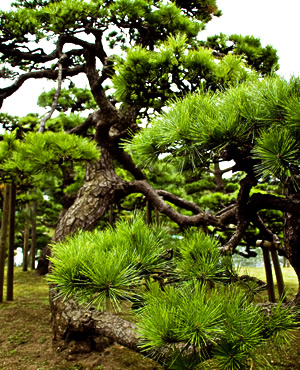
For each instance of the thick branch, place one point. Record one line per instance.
(243, 213)
(32, 55)
(97, 89)
(91, 120)
(267, 201)
(190, 206)
(199, 219)
(126, 160)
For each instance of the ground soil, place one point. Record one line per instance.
(26, 338)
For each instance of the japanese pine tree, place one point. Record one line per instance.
(156, 56)
(161, 59)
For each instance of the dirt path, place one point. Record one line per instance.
(26, 338)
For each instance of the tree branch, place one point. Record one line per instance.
(199, 219)
(91, 120)
(267, 201)
(56, 95)
(50, 74)
(243, 213)
(177, 201)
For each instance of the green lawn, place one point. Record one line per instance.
(289, 277)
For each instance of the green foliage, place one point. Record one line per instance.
(43, 18)
(173, 316)
(216, 201)
(122, 257)
(43, 152)
(149, 78)
(192, 307)
(279, 154)
(254, 117)
(199, 258)
(200, 185)
(64, 122)
(74, 98)
(263, 59)
(8, 145)
(221, 324)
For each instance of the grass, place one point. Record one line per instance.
(26, 335)
(289, 278)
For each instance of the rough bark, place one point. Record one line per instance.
(101, 188)
(86, 328)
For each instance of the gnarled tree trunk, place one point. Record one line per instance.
(101, 188)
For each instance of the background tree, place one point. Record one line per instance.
(23, 163)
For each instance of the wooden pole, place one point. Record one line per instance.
(278, 272)
(269, 276)
(157, 216)
(4, 228)
(11, 244)
(33, 235)
(26, 240)
(111, 214)
(148, 212)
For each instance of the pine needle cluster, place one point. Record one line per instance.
(190, 305)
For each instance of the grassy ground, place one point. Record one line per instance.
(289, 278)
(26, 337)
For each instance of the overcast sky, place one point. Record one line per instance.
(275, 22)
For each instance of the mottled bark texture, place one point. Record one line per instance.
(101, 188)
(81, 329)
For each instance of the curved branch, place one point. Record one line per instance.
(243, 213)
(91, 120)
(126, 160)
(50, 74)
(177, 201)
(199, 219)
(56, 96)
(267, 201)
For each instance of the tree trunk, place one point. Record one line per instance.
(3, 237)
(292, 237)
(101, 188)
(11, 245)
(26, 240)
(218, 177)
(33, 235)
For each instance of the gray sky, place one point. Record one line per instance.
(275, 22)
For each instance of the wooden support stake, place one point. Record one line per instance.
(269, 275)
(111, 214)
(149, 212)
(3, 235)
(11, 244)
(157, 216)
(278, 272)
